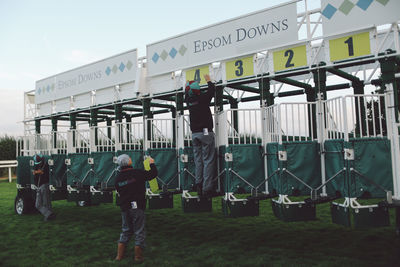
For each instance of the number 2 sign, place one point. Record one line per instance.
(293, 57)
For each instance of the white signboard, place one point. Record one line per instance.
(244, 35)
(340, 16)
(105, 73)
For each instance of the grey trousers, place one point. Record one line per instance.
(204, 159)
(43, 202)
(133, 221)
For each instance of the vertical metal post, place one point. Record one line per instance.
(54, 131)
(173, 113)
(118, 129)
(148, 124)
(9, 175)
(180, 138)
(93, 126)
(266, 100)
(361, 127)
(219, 101)
(319, 76)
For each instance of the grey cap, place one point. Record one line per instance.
(123, 160)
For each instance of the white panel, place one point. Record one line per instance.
(244, 35)
(106, 95)
(63, 105)
(83, 100)
(340, 16)
(127, 91)
(44, 109)
(160, 84)
(108, 72)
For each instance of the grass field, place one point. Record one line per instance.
(87, 236)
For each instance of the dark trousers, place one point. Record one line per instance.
(133, 221)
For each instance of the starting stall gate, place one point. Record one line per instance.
(284, 130)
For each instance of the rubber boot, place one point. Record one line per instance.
(121, 251)
(138, 254)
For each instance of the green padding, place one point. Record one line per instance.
(104, 168)
(24, 172)
(373, 161)
(334, 163)
(272, 167)
(167, 164)
(293, 212)
(249, 164)
(78, 170)
(136, 156)
(303, 161)
(58, 173)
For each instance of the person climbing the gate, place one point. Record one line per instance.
(41, 179)
(130, 184)
(203, 138)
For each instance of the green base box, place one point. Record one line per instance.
(58, 195)
(161, 202)
(294, 212)
(191, 205)
(101, 197)
(340, 215)
(81, 195)
(234, 209)
(371, 217)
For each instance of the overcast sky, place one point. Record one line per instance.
(44, 37)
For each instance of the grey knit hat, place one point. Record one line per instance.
(123, 160)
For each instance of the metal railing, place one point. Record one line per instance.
(291, 122)
(130, 136)
(244, 126)
(8, 164)
(162, 133)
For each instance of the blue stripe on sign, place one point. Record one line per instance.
(329, 11)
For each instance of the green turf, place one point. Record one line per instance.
(87, 236)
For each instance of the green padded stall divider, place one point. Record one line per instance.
(334, 163)
(104, 169)
(248, 162)
(303, 160)
(167, 164)
(235, 209)
(371, 217)
(24, 172)
(192, 205)
(272, 166)
(58, 173)
(373, 161)
(78, 170)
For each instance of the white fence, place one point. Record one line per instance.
(8, 164)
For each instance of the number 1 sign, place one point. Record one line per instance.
(350, 46)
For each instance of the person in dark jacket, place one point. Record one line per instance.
(130, 185)
(203, 138)
(41, 179)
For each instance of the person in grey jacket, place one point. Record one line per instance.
(41, 179)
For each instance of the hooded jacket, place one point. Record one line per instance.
(130, 184)
(199, 109)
